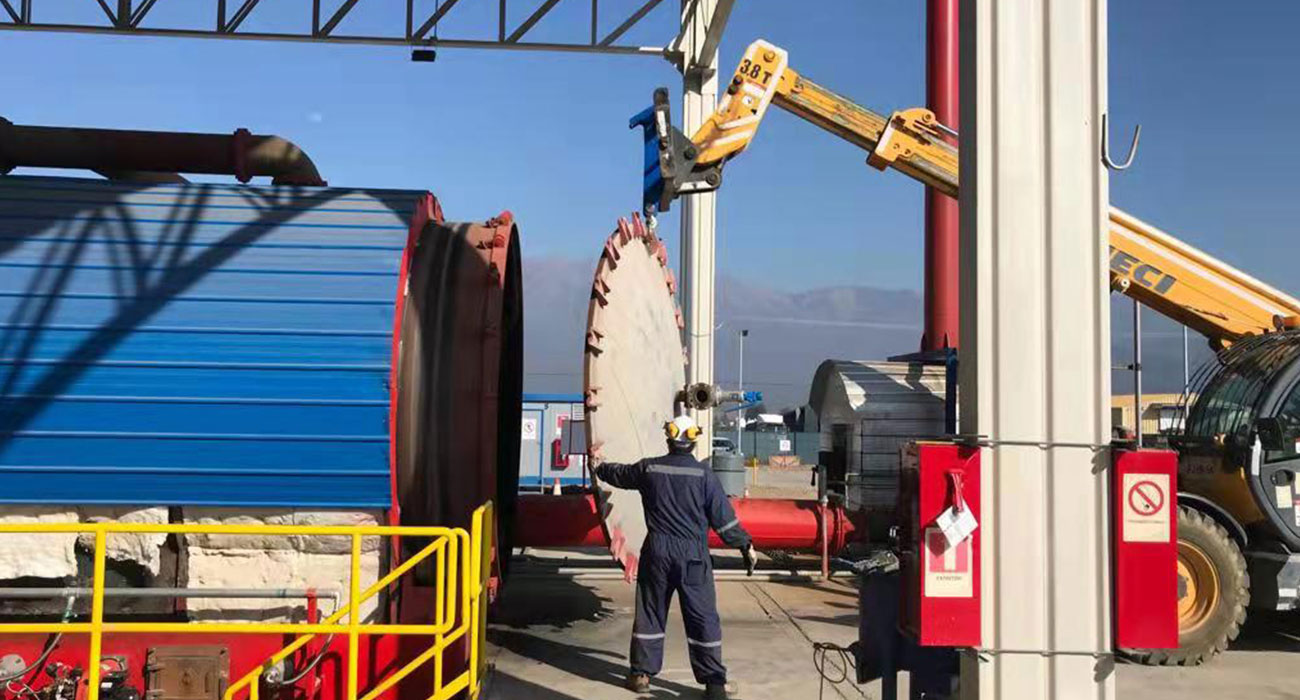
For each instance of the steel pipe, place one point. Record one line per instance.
(567, 520)
(22, 593)
(141, 177)
(240, 154)
(571, 520)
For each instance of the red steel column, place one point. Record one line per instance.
(941, 223)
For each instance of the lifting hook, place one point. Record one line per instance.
(1105, 146)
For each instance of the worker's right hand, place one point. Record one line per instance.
(747, 552)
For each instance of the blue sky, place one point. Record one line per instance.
(545, 134)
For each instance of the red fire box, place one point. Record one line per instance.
(1144, 507)
(939, 538)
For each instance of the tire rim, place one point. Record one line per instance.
(1198, 587)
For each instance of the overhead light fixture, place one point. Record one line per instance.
(423, 55)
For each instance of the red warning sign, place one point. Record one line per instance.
(948, 571)
(1146, 508)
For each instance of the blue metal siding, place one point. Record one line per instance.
(196, 344)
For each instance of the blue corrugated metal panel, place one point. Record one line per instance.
(196, 344)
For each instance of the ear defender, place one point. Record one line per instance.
(692, 433)
(671, 430)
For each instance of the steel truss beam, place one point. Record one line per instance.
(127, 17)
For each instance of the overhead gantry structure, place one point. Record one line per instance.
(338, 23)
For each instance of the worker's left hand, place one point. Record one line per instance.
(747, 552)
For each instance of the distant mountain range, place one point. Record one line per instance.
(791, 333)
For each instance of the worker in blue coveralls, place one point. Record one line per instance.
(683, 500)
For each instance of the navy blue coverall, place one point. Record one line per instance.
(682, 499)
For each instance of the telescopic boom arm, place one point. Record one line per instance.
(1147, 264)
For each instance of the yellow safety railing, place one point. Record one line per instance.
(463, 568)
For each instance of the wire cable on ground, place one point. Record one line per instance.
(833, 663)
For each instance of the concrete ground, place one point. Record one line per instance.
(561, 631)
(559, 639)
(1260, 666)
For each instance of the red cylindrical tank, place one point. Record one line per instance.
(571, 520)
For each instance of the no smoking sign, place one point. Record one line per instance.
(1146, 508)
(1146, 498)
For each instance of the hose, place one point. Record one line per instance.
(23, 689)
(49, 649)
(315, 661)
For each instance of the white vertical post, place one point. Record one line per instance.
(699, 98)
(1035, 370)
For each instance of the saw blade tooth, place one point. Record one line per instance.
(594, 342)
(672, 282)
(612, 252)
(661, 253)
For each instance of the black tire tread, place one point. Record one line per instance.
(1203, 527)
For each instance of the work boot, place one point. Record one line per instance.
(638, 682)
(719, 691)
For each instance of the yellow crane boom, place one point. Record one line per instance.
(1147, 264)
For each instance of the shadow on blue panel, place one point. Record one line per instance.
(186, 344)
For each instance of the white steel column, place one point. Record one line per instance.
(699, 97)
(1035, 367)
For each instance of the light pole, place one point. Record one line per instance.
(740, 386)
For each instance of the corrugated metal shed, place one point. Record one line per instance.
(197, 344)
(869, 410)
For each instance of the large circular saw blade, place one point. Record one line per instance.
(635, 366)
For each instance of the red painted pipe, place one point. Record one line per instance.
(942, 226)
(571, 520)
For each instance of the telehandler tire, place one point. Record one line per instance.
(1213, 593)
